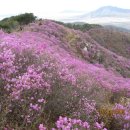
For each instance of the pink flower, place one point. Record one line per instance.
(98, 126)
(105, 129)
(86, 125)
(35, 107)
(41, 100)
(41, 127)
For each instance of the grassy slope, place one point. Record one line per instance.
(116, 41)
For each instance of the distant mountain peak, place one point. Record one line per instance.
(107, 7)
(109, 11)
(106, 15)
(110, 7)
(114, 8)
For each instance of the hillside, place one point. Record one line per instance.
(112, 43)
(56, 78)
(114, 40)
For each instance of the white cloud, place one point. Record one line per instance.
(53, 8)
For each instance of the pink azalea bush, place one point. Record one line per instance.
(45, 85)
(123, 118)
(64, 123)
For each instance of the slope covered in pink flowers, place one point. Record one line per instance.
(53, 77)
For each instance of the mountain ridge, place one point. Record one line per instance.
(106, 15)
(109, 11)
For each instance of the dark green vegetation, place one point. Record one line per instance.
(83, 27)
(14, 22)
(80, 26)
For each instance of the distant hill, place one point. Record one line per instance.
(109, 11)
(116, 28)
(107, 15)
(81, 26)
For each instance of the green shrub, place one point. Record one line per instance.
(11, 23)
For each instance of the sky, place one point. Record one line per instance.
(56, 9)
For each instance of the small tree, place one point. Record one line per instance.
(25, 18)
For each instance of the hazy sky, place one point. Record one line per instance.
(56, 9)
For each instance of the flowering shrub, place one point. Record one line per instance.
(68, 123)
(42, 79)
(123, 118)
(64, 123)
